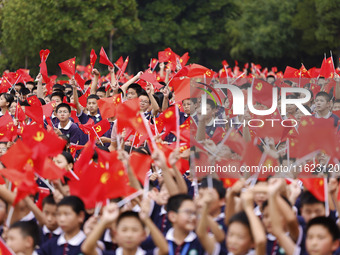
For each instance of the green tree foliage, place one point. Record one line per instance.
(67, 27)
(262, 30)
(197, 26)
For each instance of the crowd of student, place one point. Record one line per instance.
(178, 212)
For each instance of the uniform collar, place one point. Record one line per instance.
(139, 251)
(74, 241)
(57, 231)
(67, 127)
(326, 117)
(170, 236)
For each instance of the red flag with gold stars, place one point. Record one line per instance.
(68, 67)
(148, 76)
(103, 58)
(107, 106)
(315, 186)
(327, 68)
(93, 58)
(140, 164)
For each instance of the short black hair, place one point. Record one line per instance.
(58, 86)
(241, 217)
(49, 200)
(308, 198)
(92, 96)
(324, 94)
(135, 87)
(24, 91)
(63, 105)
(129, 214)
(175, 202)
(211, 103)
(28, 228)
(327, 223)
(58, 94)
(68, 157)
(74, 202)
(101, 89)
(217, 185)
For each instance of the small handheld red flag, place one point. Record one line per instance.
(93, 58)
(104, 59)
(68, 67)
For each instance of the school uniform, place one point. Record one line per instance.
(220, 221)
(119, 251)
(84, 118)
(73, 132)
(59, 245)
(191, 245)
(329, 115)
(46, 234)
(182, 117)
(160, 219)
(211, 127)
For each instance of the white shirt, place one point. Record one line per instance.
(57, 231)
(74, 241)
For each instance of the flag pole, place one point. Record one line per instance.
(97, 136)
(129, 198)
(177, 126)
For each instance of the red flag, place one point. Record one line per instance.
(150, 77)
(44, 55)
(181, 87)
(327, 68)
(87, 128)
(51, 171)
(7, 128)
(80, 81)
(140, 164)
(4, 249)
(85, 156)
(48, 108)
(107, 106)
(163, 56)
(120, 62)
(251, 155)
(93, 58)
(74, 148)
(104, 59)
(102, 127)
(169, 120)
(34, 101)
(315, 186)
(236, 142)
(262, 92)
(16, 156)
(291, 72)
(122, 70)
(19, 113)
(68, 67)
(36, 136)
(184, 59)
(153, 63)
(229, 182)
(304, 72)
(316, 134)
(126, 111)
(83, 99)
(35, 113)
